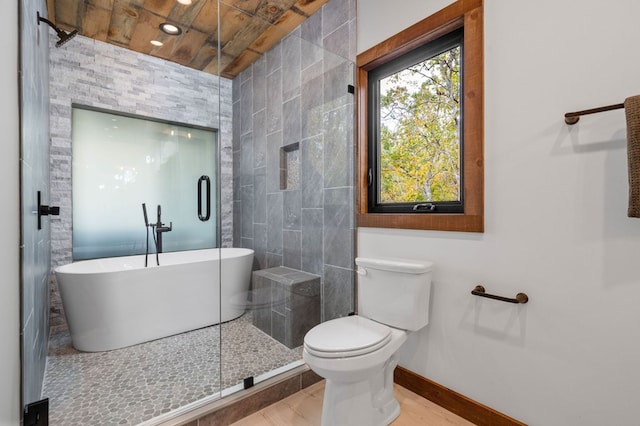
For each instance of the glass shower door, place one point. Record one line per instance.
(293, 190)
(170, 110)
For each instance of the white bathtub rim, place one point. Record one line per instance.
(114, 264)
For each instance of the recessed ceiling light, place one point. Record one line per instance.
(185, 2)
(170, 29)
(156, 43)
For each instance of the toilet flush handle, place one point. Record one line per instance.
(361, 271)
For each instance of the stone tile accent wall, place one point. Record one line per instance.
(297, 93)
(97, 74)
(34, 159)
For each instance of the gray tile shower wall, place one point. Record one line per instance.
(102, 75)
(297, 92)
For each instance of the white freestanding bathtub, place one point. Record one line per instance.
(116, 302)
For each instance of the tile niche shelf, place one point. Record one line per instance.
(290, 166)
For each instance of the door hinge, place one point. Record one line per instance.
(248, 382)
(36, 413)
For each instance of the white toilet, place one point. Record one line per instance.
(357, 354)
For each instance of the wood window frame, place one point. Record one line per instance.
(463, 13)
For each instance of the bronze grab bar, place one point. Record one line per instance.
(573, 117)
(520, 297)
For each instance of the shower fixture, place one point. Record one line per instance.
(158, 229)
(62, 35)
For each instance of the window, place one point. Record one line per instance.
(413, 136)
(121, 161)
(420, 125)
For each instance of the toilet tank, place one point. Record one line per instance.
(394, 292)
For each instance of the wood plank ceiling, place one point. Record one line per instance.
(248, 28)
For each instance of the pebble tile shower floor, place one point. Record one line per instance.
(130, 385)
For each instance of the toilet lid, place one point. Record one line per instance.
(346, 337)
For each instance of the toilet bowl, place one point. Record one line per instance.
(357, 357)
(358, 354)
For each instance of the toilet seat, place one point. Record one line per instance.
(346, 337)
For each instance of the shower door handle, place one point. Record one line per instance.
(205, 179)
(45, 210)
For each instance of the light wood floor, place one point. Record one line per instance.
(305, 407)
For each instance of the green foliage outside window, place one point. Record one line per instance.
(419, 132)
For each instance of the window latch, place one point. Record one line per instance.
(369, 178)
(424, 206)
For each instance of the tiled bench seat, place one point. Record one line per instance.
(286, 303)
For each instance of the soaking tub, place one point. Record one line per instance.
(116, 302)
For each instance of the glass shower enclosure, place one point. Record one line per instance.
(293, 184)
(260, 147)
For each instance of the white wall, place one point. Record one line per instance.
(556, 225)
(9, 243)
(380, 19)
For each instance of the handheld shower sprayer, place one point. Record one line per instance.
(146, 224)
(144, 211)
(63, 36)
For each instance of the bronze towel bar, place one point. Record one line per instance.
(520, 297)
(573, 117)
